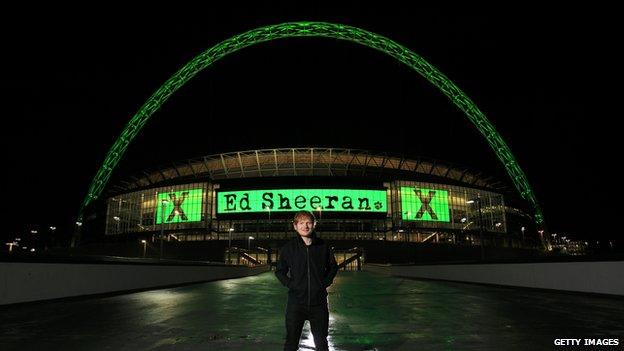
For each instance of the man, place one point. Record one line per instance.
(307, 267)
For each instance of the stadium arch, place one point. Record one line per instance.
(313, 29)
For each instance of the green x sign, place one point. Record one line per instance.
(421, 204)
(179, 206)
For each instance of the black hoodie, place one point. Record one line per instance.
(306, 271)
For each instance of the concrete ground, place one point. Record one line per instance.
(367, 312)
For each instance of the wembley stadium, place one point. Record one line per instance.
(360, 198)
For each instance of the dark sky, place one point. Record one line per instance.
(70, 83)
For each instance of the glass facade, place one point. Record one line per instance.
(414, 211)
(438, 206)
(176, 207)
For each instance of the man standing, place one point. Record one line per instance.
(307, 267)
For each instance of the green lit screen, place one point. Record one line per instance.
(180, 206)
(420, 204)
(283, 200)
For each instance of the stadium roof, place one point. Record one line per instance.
(285, 162)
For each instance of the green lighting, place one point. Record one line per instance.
(421, 204)
(313, 29)
(287, 200)
(179, 206)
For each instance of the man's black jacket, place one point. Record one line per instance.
(307, 271)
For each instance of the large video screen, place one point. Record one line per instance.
(179, 206)
(284, 200)
(421, 204)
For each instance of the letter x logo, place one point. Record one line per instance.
(425, 204)
(177, 206)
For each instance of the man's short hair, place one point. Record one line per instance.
(299, 215)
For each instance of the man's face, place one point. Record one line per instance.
(304, 226)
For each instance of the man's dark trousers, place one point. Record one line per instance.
(296, 315)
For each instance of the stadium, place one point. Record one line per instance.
(361, 199)
(390, 206)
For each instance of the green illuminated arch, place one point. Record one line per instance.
(312, 29)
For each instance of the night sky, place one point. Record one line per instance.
(70, 83)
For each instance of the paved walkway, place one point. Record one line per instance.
(367, 312)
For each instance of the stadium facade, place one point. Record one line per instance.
(355, 195)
